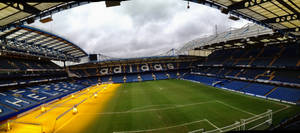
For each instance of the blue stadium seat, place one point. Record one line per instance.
(287, 94)
(131, 78)
(258, 89)
(146, 76)
(5, 112)
(18, 103)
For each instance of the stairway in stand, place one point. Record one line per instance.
(271, 91)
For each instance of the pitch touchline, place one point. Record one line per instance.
(148, 110)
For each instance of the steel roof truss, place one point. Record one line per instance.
(246, 4)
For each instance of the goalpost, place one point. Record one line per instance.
(256, 122)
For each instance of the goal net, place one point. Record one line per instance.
(257, 122)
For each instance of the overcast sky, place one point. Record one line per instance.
(137, 27)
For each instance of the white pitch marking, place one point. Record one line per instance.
(65, 124)
(213, 125)
(235, 108)
(286, 107)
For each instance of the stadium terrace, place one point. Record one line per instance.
(242, 79)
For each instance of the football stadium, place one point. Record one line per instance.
(238, 80)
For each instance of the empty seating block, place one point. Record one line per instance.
(17, 103)
(287, 94)
(131, 78)
(160, 75)
(258, 89)
(146, 76)
(236, 85)
(118, 78)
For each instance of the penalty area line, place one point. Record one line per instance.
(213, 125)
(236, 108)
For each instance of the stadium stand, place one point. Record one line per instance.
(275, 65)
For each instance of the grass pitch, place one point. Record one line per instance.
(164, 106)
(178, 106)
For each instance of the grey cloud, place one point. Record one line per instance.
(137, 27)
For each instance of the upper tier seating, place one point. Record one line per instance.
(274, 55)
(24, 64)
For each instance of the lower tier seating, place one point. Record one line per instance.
(270, 91)
(20, 99)
(15, 101)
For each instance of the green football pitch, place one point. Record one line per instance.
(181, 106)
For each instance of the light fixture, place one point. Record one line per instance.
(112, 3)
(30, 20)
(235, 18)
(46, 20)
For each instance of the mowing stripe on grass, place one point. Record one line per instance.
(162, 128)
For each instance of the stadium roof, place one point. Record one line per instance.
(280, 15)
(249, 35)
(33, 41)
(17, 13)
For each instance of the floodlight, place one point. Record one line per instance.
(235, 18)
